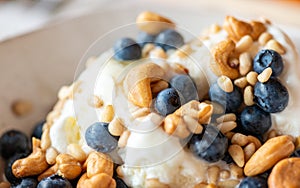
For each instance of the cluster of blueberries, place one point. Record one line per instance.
(15, 145)
(211, 145)
(129, 49)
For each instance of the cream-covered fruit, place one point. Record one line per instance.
(121, 94)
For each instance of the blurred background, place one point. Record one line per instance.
(18, 17)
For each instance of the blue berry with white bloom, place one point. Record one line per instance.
(253, 182)
(268, 58)
(145, 38)
(211, 145)
(231, 101)
(255, 121)
(167, 101)
(169, 39)
(271, 96)
(98, 138)
(185, 87)
(127, 49)
(54, 181)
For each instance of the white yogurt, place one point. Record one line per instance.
(162, 154)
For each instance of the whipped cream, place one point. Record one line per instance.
(154, 154)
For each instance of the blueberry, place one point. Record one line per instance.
(27, 183)
(144, 38)
(8, 168)
(120, 183)
(54, 181)
(167, 101)
(210, 146)
(185, 87)
(38, 130)
(12, 142)
(98, 138)
(255, 121)
(271, 96)
(230, 101)
(169, 39)
(268, 58)
(296, 153)
(127, 49)
(253, 182)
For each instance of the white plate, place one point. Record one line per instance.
(35, 66)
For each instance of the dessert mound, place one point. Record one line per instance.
(158, 111)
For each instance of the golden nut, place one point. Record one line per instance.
(138, 81)
(153, 23)
(220, 65)
(269, 154)
(101, 180)
(66, 166)
(285, 173)
(154, 183)
(177, 123)
(236, 29)
(98, 163)
(32, 165)
(257, 29)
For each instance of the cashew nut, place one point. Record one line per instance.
(66, 165)
(138, 83)
(153, 23)
(99, 172)
(221, 53)
(98, 163)
(101, 180)
(32, 165)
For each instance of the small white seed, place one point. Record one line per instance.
(275, 45)
(245, 63)
(147, 49)
(116, 127)
(248, 96)
(252, 77)
(224, 174)
(241, 82)
(108, 114)
(237, 154)
(239, 139)
(226, 117)
(236, 171)
(249, 150)
(226, 126)
(265, 75)
(264, 38)
(123, 139)
(51, 154)
(244, 43)
(213, 173)
(225, 84)
(228, 183)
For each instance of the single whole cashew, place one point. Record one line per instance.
(221, 53)
(138, 83)
(32, 165)
(97, 163)
(153, 23)
(236, 29)
(101, 180)
(66, 165)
